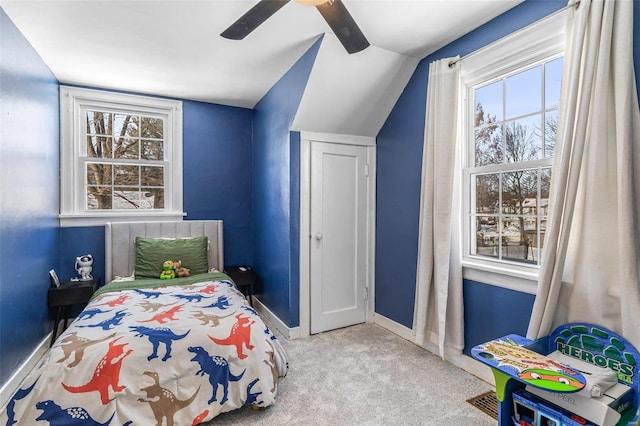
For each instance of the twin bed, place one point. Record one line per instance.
(148, 351)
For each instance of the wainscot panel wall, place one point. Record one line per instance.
(275, 225)
(399, 174)
(29, 190)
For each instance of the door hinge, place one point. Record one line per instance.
(366, 170)
(366, 293)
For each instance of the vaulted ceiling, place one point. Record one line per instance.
(173, 48)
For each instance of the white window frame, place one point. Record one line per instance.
(520, 50)
(73, 103)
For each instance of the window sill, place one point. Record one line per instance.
(522, 279)
(99, 219)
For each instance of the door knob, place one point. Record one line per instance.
(318, 236)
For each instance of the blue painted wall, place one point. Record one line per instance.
(76, 241)
(274, 176)
(217, 173)
(29, 146)
(294, 227)
(493, 312)
(399, 173)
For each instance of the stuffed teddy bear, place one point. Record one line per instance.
(181, 271)
(168, 271)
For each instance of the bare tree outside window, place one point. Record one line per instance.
(125, 169)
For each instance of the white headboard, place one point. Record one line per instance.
(120, 236)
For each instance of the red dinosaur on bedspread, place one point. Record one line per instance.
(106, 374)
(240, 335)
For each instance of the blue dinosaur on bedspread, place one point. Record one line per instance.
(58, 416)
(156, 336)
(218, 370)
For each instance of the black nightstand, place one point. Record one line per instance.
(245, 278)
(69, 293)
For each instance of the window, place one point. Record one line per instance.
(514, 128)
(121, 157)
(512, 94)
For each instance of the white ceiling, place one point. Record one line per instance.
(173, 48)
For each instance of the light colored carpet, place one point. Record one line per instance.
(366, 375)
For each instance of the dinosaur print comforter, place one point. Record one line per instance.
(176, 354)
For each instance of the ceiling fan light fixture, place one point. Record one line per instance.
(312, 2)
(333, 11)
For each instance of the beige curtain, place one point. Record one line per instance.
(438, 311)
(592, 247)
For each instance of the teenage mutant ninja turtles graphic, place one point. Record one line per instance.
(551, 380)
(534, 368)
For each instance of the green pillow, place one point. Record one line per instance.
(151, 253)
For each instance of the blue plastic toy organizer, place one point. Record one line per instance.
(587, 342)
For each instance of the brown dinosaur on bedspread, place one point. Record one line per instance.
(150, 306)
(72, 344)
(274, 369)
(107, 373)
(162, 401)
(209, 318)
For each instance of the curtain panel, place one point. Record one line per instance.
(592, 247)
(439, 306)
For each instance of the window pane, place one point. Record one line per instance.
(552, 83)
(153, 198)
(515, 240)
(489, 104)
(126, 198)
(126, 125)
(99, 198)
(152, 176)
(152, 150)
(127, 148)
(99, 146)
(152, 127)
(99, 174)
(488, 145)
(487, 236)
(550, 132)
(98, 123)
(545, 184)
(517, 189)
(487, 193)
(523, 139)
(127, 175)
(524, 93)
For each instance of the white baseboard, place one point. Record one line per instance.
(274, 322)
(476, 368)
(461, 361)
(394, 327)
(13, 383)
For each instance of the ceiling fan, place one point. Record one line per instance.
(333, 11)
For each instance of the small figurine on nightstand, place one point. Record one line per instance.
(83, 266)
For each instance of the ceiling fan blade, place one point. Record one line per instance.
(253, 18)
(343, 25)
